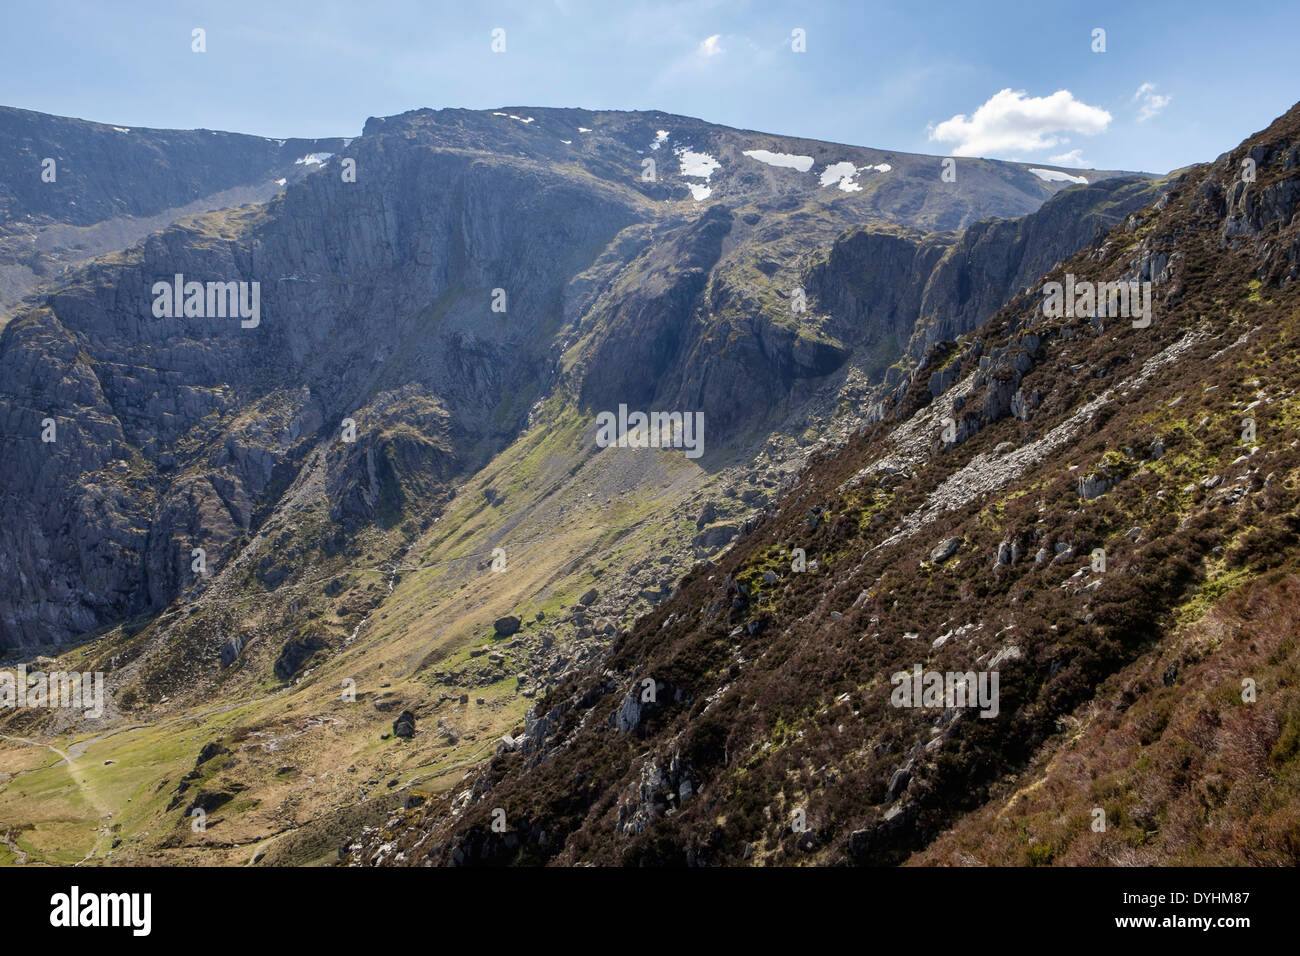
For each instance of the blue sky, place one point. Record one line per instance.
(1178, 83)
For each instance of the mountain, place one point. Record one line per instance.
(398, 280)
(389, 477)
(73, 189)
(1099, 510)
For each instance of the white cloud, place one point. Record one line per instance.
(719, 62)
(1011, 122)
(1151, 101)
(1073, 158)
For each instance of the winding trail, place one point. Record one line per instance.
(87, 793)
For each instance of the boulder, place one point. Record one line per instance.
(208, 752)
(505, 626)
(716, 536)
(230, 651)
(404, 725)
(944, 550)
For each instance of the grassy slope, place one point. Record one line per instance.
(558, 523)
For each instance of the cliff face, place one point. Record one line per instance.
(178, 433)
(102, 172)
(75, 189)
(923, 289)
(473, 265)
(1099, 512)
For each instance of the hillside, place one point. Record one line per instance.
(1102, 514)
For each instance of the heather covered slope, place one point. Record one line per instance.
(1186, 773)
(772, 685)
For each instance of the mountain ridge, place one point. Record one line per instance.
(372, 560)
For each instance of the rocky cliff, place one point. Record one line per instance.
(467, 253)
(74, 189)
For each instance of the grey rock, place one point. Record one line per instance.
(945, 549)
(716, 536)
(506, 626)
(404, 725)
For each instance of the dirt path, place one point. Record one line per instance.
(86, 791)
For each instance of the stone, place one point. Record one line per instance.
(898, 782)
(1094, 486)
(945, 549)
(716, 536)
(506, 626)
(1009, 653)
(230, 651)
(404, 725)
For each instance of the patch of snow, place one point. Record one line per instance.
(281, 182)
(122, 129)
(347, 143)
(700, 191)
(697, 164)
(583, 129)
(881, 167)
(278, 142)
(522, 119)
(313, 159)
(500, 114)
(841, 174)
(661, 137)
(1056, 176)
(567, 142)
(787, 160)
